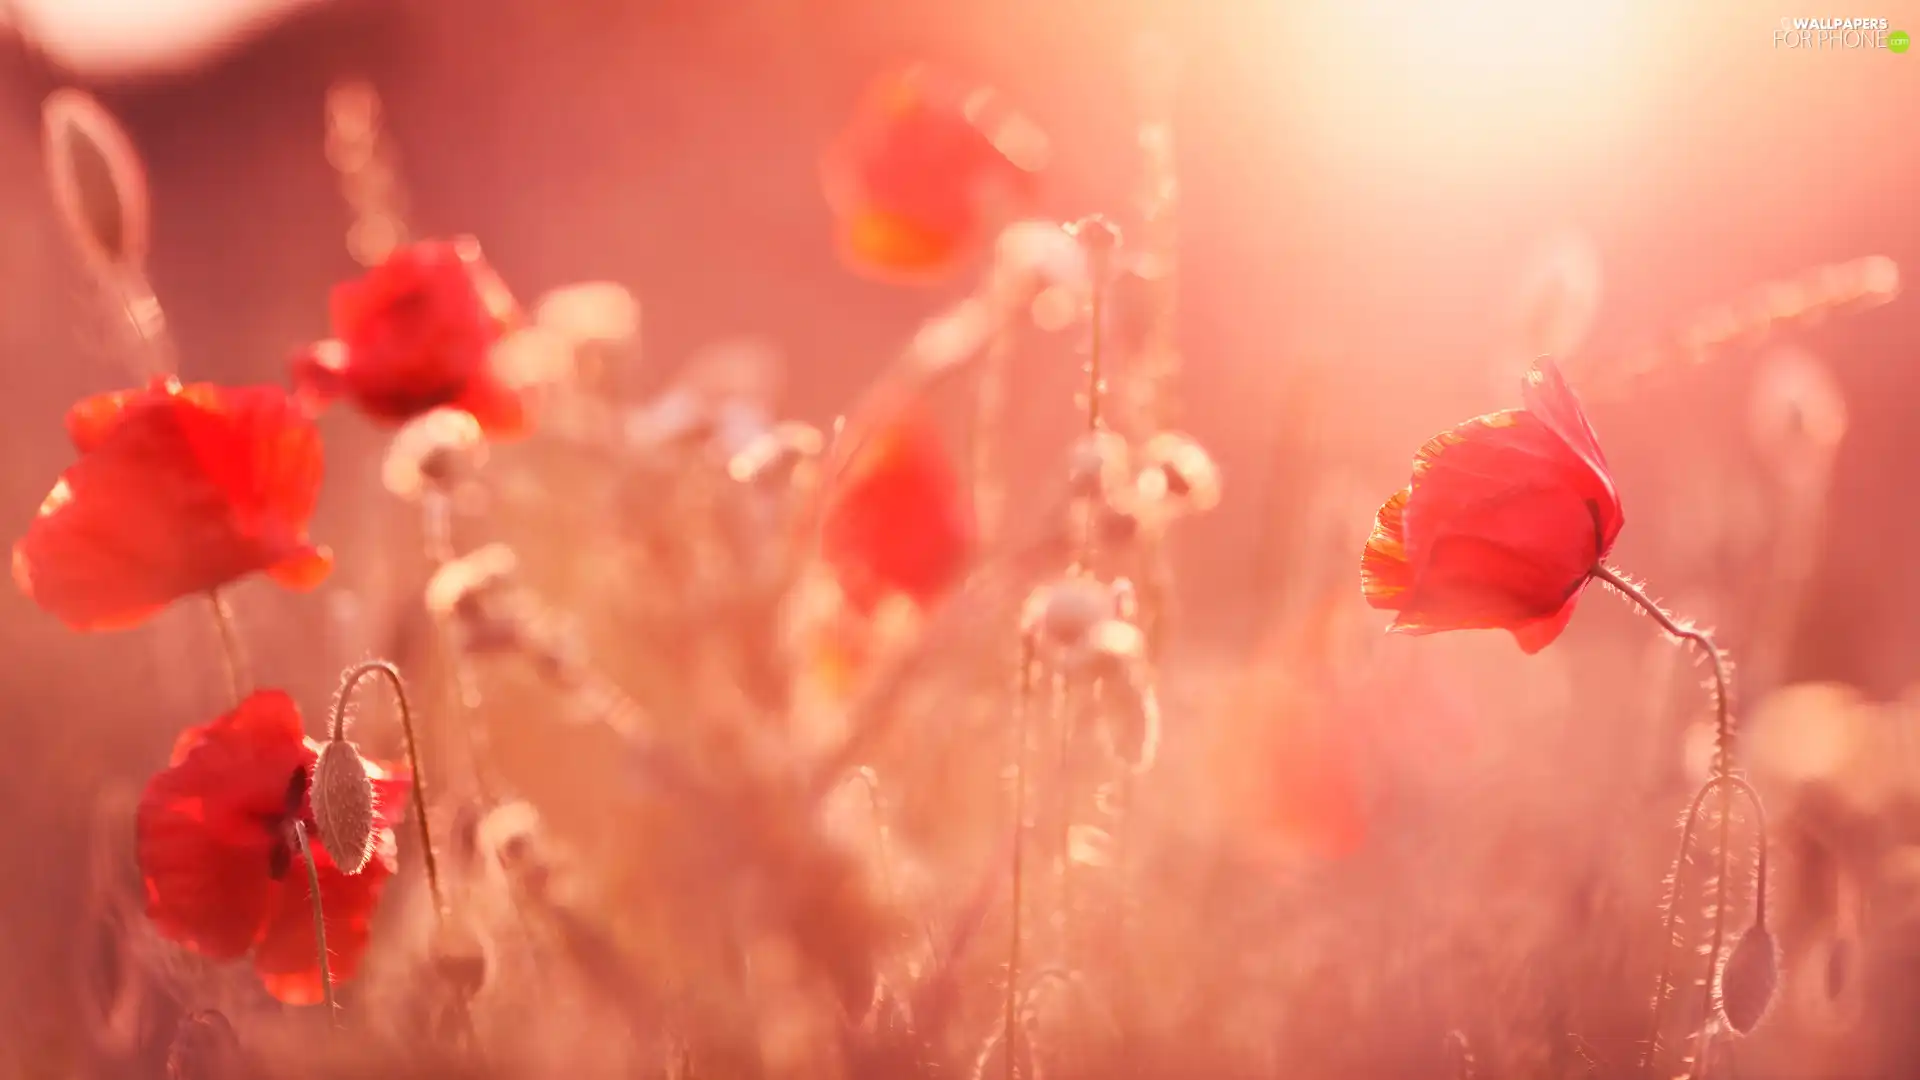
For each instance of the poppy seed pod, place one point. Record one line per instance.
(342, 796)
(1063, 612)
(1748, 980)
(433, 452)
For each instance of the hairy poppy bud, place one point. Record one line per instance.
(1179, 474)
(1748, 980)
(205, 1047)
(433, 451)
(343, 805)
(98, 183)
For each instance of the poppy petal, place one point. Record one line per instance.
(93, 419)
(303, 571)
(1539, 634)
(1545, 394)
(500, 410)
(895, 248)
(1385, 575)
(205, 827)
(286, 955)
(189, 489)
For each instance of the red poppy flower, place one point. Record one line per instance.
(1506, 519)
(916, 178)
(216, 853)
(178, 490)
(898, 518)
(413, 335)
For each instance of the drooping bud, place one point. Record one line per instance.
(342, 799)
(1748, 980)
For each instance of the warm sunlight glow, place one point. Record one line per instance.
(1464, 82)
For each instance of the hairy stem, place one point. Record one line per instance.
(1023, 694)
(417, 776)
(319, 923)
(1722, 780)
(231, 651)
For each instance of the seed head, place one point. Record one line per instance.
(1062, 612)
(1178, 473)
(773, 457)
(343, 805)
(1748, 980)
(590, 313)
(432, 453)
(1097, 464)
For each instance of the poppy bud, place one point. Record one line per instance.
(433, 452)
(1748, 980)
(1097, 464)
(1063, 611)
(343, 805)
(98, 182)
(1179, 473)
(590, 313)
(205, 1047)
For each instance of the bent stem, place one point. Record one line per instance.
(319, 923)
(1720, 779)
(231, 651)
(1023, 694)
(338, 729)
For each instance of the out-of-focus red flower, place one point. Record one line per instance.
(178, 490)
(413, 335)
(1506, 519)
(918, 175)
(222, 874)
(898, 518)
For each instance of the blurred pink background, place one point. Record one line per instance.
(1353, 206)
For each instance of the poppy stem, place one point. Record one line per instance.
(231, 651)
(1023, 695)
(319, 923)
(337, 729)
(1722, 779)
(1704, 644)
